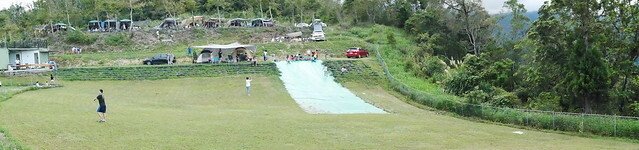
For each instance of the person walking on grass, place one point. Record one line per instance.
(265, 55)
(248, 86)
(101, 107)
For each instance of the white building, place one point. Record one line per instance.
(25, 56)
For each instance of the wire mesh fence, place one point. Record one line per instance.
(597, 124)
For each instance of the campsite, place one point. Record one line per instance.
(311, 75)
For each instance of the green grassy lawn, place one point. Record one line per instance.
(214, 113)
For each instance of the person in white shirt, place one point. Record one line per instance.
(248, 86)
(265, 54)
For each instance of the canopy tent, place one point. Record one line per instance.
(167, 24)
(94, 25)
(318, 25)
(111, 25)
(125, 24)
(213, 23)
(234, 52)
(260, 22)
(238, 22)
(61, 27)
(302, 25)
(193, 21)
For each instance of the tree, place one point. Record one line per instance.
(470, 19)
(519, 21)
(568, 35)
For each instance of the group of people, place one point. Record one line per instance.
(51, 82)
(309, 56)
(76, 50)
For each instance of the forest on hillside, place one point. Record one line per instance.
(578, 56)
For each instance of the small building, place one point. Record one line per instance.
(19, 55)
(24, 56)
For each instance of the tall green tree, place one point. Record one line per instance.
(470, 19)
(568, 33)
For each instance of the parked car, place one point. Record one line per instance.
(356, 52)
(318, 35)
(160, 59)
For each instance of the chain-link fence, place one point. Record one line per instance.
(605, 125)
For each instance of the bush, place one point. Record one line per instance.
(460, 82)
(77, 37)
(199, 32)
(546, 101)
(433, 66)
(476, 96)
(502, 98)
(390, 37)
(118, 39)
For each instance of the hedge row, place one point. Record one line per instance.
(163, 72)
(580, 123)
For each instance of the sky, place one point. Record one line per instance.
(492, 6)
(496, 6)
(7, 3)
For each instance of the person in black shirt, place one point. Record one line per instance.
(102, 106)
(219, 55)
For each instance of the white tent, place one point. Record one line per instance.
(209, 52)
(229, 47)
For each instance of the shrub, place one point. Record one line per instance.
(118, 39)
(199, 32)
(502, 98)
(460, 82)
(433, 66)
(476, 96)
(77, 37)
(390, 37)
(546, 101)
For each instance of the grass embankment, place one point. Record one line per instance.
(335, 45)
(357, 70)
(201, 113)
(164, 71)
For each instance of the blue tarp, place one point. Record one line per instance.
(315, 90)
